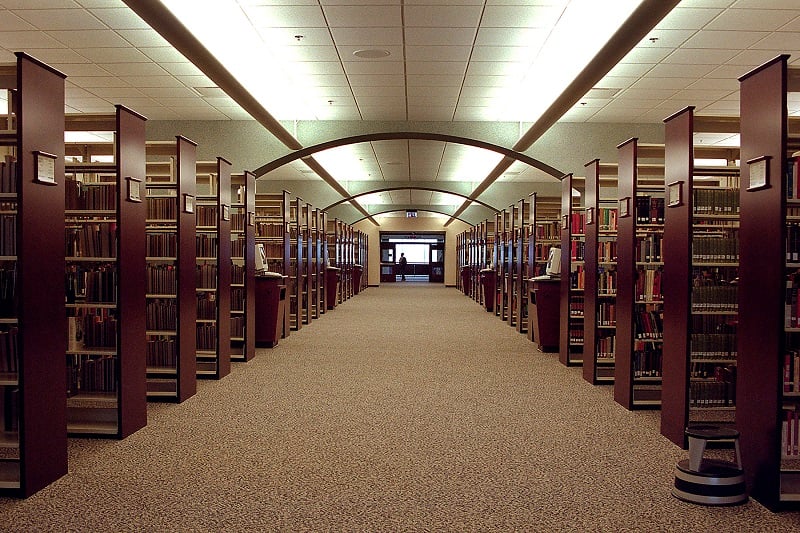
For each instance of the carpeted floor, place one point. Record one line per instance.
(407, 408)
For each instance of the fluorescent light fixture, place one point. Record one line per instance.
(226, 31)
(585, 26)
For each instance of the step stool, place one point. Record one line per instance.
(710, 481)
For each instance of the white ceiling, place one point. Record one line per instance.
(449, 61)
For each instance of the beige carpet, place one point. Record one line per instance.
(407, 408)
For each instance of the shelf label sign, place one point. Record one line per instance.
(44, 167)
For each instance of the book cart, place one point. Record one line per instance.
(701, 226)
(600, 285)
(243, 242)
(33, 410)
(213, 268)
(104, 242)
(171, 266)
(639, 305)
(767, 392)
(572, 275)
(272, 231)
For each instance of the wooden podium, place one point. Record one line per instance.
(544, 312)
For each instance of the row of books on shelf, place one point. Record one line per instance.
(237, 274)
(206, 306)
(269, 229)
(161, 352)
(91, 374)
(715, 249)
(792, 175)
(791, 371)
(8, 290)
(8, 231)
(576, 336)
(647, 359)
(606, 347)
(793, 242)
(577, 222)
(207, 215)
(542, 251)
(161, 315)
(206, 245)
(237, 299)
(206, 336)
(649, 209)
(237, 222)
(90, 196)
(648, 324)
(577, 277)
(790, 433)
(8, 175)
(607, 251)
(576, 306)
(162, 208)
(96, 239)
(607, 282)
(161, 279)
(713, 346)
(715, 201)
(9, 355)
(648, 285)
(723, 373)
(10, 414)
(712, 393)
(161, 244)
(237, 326)
(91, 284)
(548, 230)
(607, 219)
(715, 298)
(237, 248)
(577, 250)
(649, 248)
(206, 276)
(607, 314)
(91, 329)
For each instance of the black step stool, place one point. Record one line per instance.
(710, 481)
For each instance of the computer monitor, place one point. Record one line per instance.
(553, 267)
(261, 257)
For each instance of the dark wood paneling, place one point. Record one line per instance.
(590, 285)
(186, 176)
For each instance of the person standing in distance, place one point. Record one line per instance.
(402, 262)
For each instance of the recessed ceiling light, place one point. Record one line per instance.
(371, 53)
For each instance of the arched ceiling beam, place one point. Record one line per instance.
(509, 154)
(410, 187)
(418, 209)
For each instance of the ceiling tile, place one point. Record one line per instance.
(309, 53)
(25, 40)
(397, 91)
(152, 81)
(432, 36)
(164, 54)
(502, 54)
(665, 70)
(647, 54)
(489, 68)
(725, 84)
(358, 80)
(690, 56)
(441, 91)
(80, 69)
(368, 15)
(134, 69)
(121, 18)
(456, 16)
(432, 80)
(529, 37)
(143, 38)
(752, 19)
(161, 93)
(358, 36)
(347, 53)
(635, 70)
(383, 113)
(40, 4)
(293, 36)
(648, 94)
(304, 68)
(98, 81)
(287, 16)
(653, 82)
(430, 101)
(327, 80)
(455, 68)
(688, 18)
(236, 113)
(56, 55)
(60, 19)
(12, 22)
(327, 93)
(734, 40)
(374, 101)
(521, 16)
(491, 81)
(91, 39)
(113, 55)
(779, 42)
(441, 53)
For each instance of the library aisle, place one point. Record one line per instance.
(406, 408)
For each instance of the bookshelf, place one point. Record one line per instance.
(499, 262)
(509, 266)
(317, 265)
(700, 315)
(170, 294)
(335, 239)
(767, 397)
(323, 261)
(243, 241)
(105, 244)
(639, 305)
(600, 290)
(572, 275)
(296, 284)
(33, 440)
(522, 270)
(213, 268)
(272, 230)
